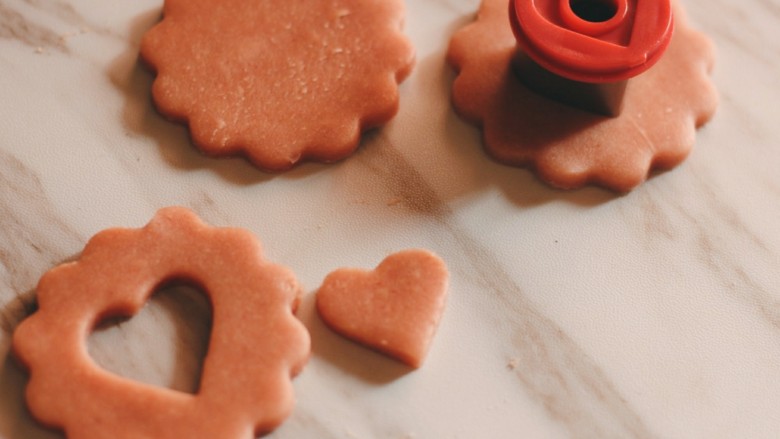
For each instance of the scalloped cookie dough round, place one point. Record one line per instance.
(567, 147)
(279, 82)
(256, 343)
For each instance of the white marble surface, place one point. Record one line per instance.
(571, 314)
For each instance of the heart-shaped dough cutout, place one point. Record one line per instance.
(394, 309)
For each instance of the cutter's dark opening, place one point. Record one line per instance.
(595, 11)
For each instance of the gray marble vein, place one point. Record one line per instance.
(27, 225)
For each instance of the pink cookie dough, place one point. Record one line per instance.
(256, 343)
(567, 147)
(278, 81)
(394, 309)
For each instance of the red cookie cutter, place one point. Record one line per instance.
(583, 52)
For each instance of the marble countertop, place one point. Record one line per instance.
(582, 314)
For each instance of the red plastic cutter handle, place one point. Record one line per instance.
(615, 49)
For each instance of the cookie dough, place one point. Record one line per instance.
(567, 147)
(256, 343)
(394, 309)
(278, 81)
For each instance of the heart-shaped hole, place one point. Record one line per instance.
(164, 345)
